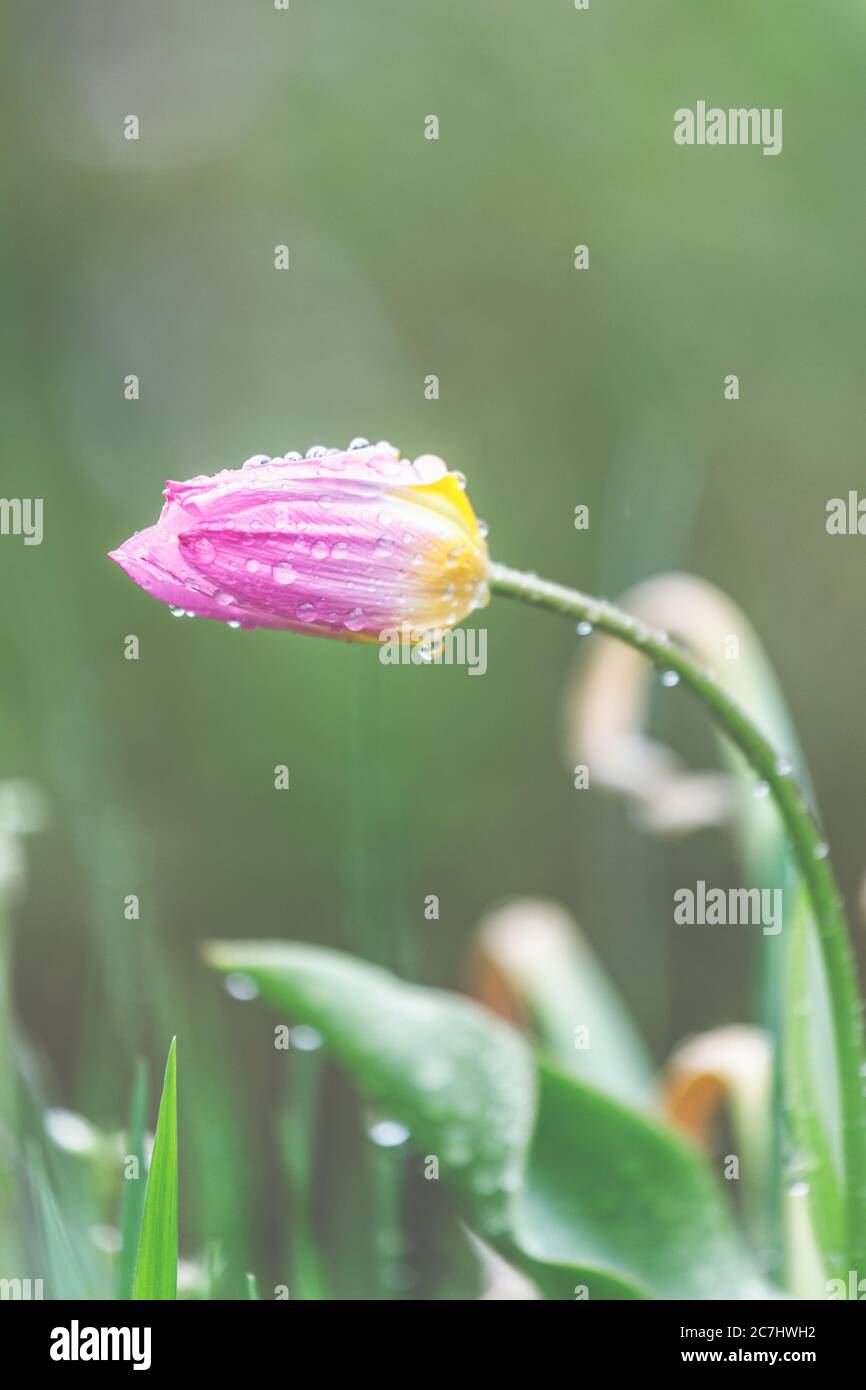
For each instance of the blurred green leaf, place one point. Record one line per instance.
(597, 1197)
(156, 1270)
(133, 1189)
(812, 1163)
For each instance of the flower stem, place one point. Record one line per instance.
(809, 850)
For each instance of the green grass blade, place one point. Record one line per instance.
(252, 1286)
(133, 1185)
(156, 1270)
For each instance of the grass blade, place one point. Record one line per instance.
(156, 1270)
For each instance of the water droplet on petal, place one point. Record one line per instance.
(306, 612)
(429, 468)
(257, 461)
(320, 550)
(354, 620)
(203, 550)
(359, 443)
(318, 451)
(284, 574)
(176, 612)
(293, 457)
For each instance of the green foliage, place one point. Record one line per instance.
(156, 1269)
(574, 1187)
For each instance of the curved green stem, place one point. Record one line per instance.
(806, 840)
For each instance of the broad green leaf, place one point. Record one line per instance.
(156, 1270)
(577, 1190)
(613, 1190)
(132, 1188)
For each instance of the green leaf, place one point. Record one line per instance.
(132, 1188)
(156, 1270)
(586, 1193)
(813, 1164)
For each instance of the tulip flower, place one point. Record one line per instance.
(343, 543)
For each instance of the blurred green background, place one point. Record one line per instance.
(409, 257)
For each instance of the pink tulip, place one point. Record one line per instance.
(343, 543)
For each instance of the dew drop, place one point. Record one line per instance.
(459, 478)
(176, 612)
(306, 612)
(241, 986)
(204, 550)
(388, 1134)
(293, 457)
(304, 1038)
(784, 767)
(354, 620)
(339, 550)
(257, 461)
(761, 789)
(584, 628)
(284, 574)
(318, 451)
(359, 443)
(429, 468)
(669, 679)
(821, 851)
(253, 566)
(320, 550)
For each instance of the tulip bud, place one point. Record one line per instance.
(345, 544)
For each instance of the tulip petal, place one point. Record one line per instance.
(348, 545)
